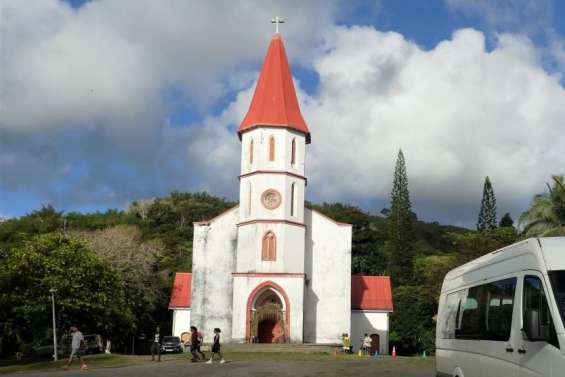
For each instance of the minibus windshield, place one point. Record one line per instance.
(558, 282)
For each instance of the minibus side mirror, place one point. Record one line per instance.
(533, 328)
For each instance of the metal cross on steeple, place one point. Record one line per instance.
(277, 20)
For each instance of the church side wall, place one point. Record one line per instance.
(327, 312)
(213, 261)
(181, 321)
(370, 322)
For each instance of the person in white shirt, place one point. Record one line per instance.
(367, 344)
(77, 348)
(156, 345)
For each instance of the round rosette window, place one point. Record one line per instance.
(271, 199)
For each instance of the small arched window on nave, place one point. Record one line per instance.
(293, 152)
(251, 151)
(271, 148)
(269, 247)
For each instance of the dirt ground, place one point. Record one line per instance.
(382, 366)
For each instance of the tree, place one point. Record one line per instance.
(472, 245)
(89, 292)
(506, 221)
(412, 322)
(135, 260)
(487, 214)
(400, 226)
(546, 216)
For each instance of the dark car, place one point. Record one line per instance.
(93, 343)
(171, 344)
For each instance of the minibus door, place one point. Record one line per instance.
(538, 346)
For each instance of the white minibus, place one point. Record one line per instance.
(503, 314)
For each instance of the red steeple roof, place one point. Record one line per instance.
(274, 102)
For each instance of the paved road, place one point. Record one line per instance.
(409, 367)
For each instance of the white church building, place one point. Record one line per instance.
(270, 269)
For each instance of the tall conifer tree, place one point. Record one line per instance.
(487, 214)
(400, 226)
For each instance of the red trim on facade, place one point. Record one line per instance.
(328, 218)
(274, 172)
(207, 222)
(258, 290)
(271, 221)
(269, 274)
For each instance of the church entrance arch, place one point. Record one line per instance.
(268, 315)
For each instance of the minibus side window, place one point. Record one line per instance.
(486, 311)
(451, 314)
(499, 308)
(471, 316)
(535, 299)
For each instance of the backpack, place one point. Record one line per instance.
(199, 337)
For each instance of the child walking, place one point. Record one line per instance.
(216, 347)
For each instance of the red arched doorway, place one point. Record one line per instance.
(268, 315)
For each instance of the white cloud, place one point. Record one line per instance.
(83, 119)
(459, 113)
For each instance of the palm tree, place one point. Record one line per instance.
(546, 216)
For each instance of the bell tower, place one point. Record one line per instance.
(271, 234)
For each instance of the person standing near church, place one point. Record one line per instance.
(77, 348)
(216, 347)
(156, 345)
(367, 344)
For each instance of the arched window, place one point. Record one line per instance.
(251, 151)
(293, 152)
(293, 199)
(269, 247)
(248, 198)
(272, 148)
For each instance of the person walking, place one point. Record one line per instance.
(156, 345)
(216, 347)
(77, 348)
(346, 343)
(194, 344)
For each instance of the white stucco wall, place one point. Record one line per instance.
(243, 286)
(290, 248)
(213, 261)
(327, 313)
(370, 322)
(283, 141)
(181, 321)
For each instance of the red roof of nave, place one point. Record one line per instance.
(371, 293)
(181, 294)
(274, 102)
(367, 292)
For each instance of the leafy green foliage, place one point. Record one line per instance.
(88, 292)
(546, 215)
(412, 323)
(400, 226)
(487, 214)
(473, 245)
(506, 221)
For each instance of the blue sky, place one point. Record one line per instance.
(129, 100)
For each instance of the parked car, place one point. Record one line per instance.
(93, 343)
(171, 344)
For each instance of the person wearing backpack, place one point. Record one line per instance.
(195, 344)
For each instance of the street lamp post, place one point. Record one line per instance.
(55, 356)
